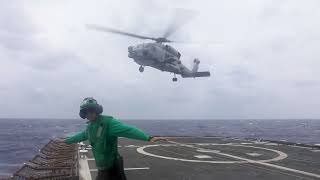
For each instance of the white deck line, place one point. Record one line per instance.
(128, 169)
(253, 154)
(281, 155)
(202, 156)
(208, 137)
(84, 173)
(259, 162)
(300, 147)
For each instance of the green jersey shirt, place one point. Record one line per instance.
(103, 135)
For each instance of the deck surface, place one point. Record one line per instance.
(187, 158)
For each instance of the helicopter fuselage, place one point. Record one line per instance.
(157, 55)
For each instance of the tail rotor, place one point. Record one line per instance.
(195, 67)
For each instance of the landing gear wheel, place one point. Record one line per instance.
(141, 68)
(174, 79)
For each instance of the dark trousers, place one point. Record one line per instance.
(116, 172)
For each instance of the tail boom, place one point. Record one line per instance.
(196, 74)
(194, 71)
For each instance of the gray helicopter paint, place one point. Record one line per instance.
(153, 51)
(162, 57)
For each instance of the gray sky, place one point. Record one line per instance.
(265, 62)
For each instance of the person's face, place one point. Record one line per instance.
(91, 114)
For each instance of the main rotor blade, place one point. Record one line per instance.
(115, 31)
(180, 18)
(198, 42)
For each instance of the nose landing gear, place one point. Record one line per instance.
(141, 68)
(174, 79)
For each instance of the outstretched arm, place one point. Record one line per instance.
(82, 136)
(121, 129)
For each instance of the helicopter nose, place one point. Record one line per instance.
(131, 52)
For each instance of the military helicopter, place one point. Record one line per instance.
(157, 54)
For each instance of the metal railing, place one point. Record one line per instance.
(56, 160)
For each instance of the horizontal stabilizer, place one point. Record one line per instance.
(196, 74)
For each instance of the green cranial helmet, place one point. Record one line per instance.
(89, 103)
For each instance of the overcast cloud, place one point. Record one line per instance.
(265, 59)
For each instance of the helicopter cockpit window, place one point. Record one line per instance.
(169, 48)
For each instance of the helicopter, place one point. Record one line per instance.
(158, 54)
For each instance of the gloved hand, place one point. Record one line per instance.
(60, 140)
(155, 139)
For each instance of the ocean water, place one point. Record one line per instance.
(20, 139)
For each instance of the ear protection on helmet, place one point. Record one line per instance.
(99, 109)
(82, 114)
